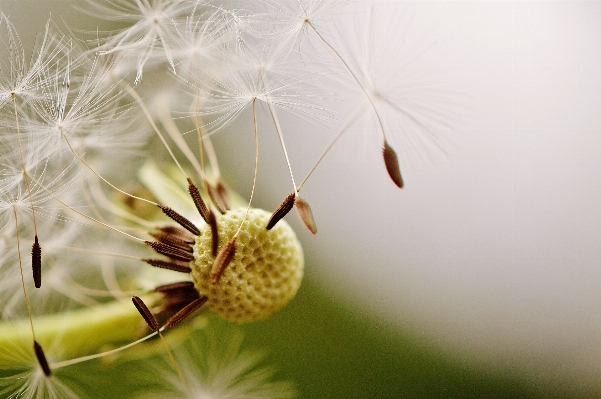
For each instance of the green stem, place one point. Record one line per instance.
(74, 333)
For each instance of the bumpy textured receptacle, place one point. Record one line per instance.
(264, 275)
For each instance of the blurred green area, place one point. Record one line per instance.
(328, 351)
(333, 352)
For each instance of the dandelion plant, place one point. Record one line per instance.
(108, 161)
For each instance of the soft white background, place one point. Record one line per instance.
(494, 250)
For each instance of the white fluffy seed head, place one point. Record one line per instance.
(264, 275)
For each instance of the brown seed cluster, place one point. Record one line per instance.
(264, 274)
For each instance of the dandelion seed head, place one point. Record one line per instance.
(264, 275)
(197, 45)
(147, 36)
(69, 102)
(20, 79)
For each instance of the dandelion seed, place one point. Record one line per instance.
(167, 265)
(172, 240)
(15, 209)
(153, 324)
(185, 312)
(175, 286)
(206, 213)
(301, 20)
(182, 221)
(197, 198)
(214, 234)
(177, 232)
(392, 164)
(282, 210)
(411, 109)
(223, 259)
(39, 354)
(176, 296)
(221, 194)
(219, 197)
(304, 211)
(169, 251)
(36, 263)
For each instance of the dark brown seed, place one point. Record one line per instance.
(219, 196)
(36, 263)
(175, 286)
(175, 298)
(185, 312)
(196, 197)
(145, 313)
(172, 240)
(281, 210)
(169, 251)
(223, 195)
(182, 221)
(392, 164)
(176, 231)
(223, 259)
(304, 211)
(167, 265)
(39, 353)
(214, 234)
